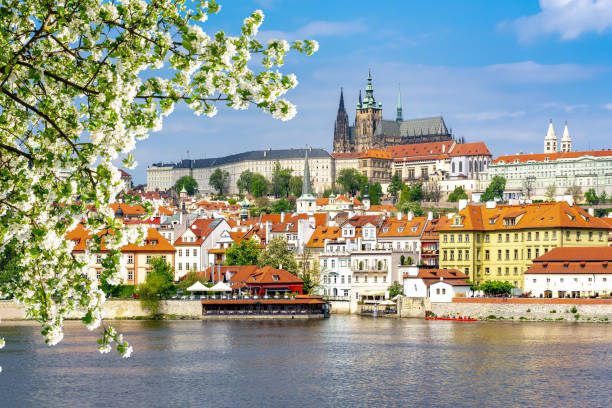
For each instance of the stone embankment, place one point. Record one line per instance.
(592, 310)
(120, 309)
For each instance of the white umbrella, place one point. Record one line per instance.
(387, 303)
(220, 287)
(197, 287)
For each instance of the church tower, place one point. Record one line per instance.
(550, 141)
(307, 202)
(398, 116)
(566, 141)
(341, 128)
(367, 118)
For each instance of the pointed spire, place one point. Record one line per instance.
(550, 134)
(341, 106)
(359, 103)
(399, 117)
(566, 136)
(550, 141)
(368, 100)
(306, 187)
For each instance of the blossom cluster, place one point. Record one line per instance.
(81, 82)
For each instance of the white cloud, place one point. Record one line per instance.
(489, 115)
(316, 29)
(608, 106)
(566, 18)
(529, 71)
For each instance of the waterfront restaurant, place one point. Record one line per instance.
(266, 281)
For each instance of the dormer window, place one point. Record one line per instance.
(400, 229)
(509, 222)
(414, 229)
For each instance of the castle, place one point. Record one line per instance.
(371, 131)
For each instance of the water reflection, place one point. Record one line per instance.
(337, 362)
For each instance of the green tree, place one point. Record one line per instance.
(282, 205)
(412, 192)
(244, 181)
(603, 197)
(280, 181)
(219, 179)
(243, 253)
(157, 284)
(496, 288)
(329, 192)
(258, 186)
(413, 206)
(591, 197)
(309, 272)
(277, 254)
(494, 190)
(295, 186)
(396, 185)
(190, 184)
(351, 180)
(457, 194)
(395, 289)
(375, 193)
(190, 278)
(551, 193)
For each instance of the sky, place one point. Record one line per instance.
(497, 71)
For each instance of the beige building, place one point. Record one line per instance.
(375, 164)
(322, 172)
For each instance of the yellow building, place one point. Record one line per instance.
(498, 242)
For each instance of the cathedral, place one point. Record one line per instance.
(371, 131)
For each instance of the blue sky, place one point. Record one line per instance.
(496, 70)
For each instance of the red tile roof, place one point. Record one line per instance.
(154, 241)
(470, 149)
(420, 149)
(522, 158)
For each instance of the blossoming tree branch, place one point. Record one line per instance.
(80, 82)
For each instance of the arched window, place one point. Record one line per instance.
(460, 167)
(471, 168)
(453, 167)
(335, 291)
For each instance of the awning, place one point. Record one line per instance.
(197, 287)
(220, 287)
(373, 293)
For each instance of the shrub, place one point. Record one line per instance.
(576, 316)
(522, 318)
(553, 311)
(491, 317)
(528, 310)
(574, 309)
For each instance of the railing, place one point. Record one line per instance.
(231, 297)
(260, 312)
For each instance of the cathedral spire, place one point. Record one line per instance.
(341, 106)
(566, 140)
(306, 186)
(550, 141)
(398, 117)
(368, 100)
(359, 103)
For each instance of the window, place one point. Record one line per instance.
(444, 255)
(537, 235)
(600, 235)
(554, 235)
(384, 279)
(529, 253)
(590, 235)
(507, 254)
(459, 238)
(180, 266)
(499, 254)
(452, 238)
(164, 258)
(516, 237)
(546, 235)
(98, 259)
(452, 255)
(515, 270)
(467, 255)
(537, 252)
(375, 279)
(148, 259)
(444, 291)
(507, 237)
(180, 252)
(567, 235)
(507, 271)
(195, 252)
(130, 259)
(487, 238)
(499, 237)
(342, 279)
(437, 291)
(577, 235)
(186, 252)
(516, 254)
(365, 279)
(498, 271)
(487, 271)
(529, 236)
(130, 274)
(349, 279)
(487, 255)
(459, 255)
(467, 238)
(195, 266)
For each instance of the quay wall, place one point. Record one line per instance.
(528, 309)
(118, 309)
(340, 306)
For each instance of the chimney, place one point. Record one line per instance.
(462, 204)
(399, 215)
(443, 148)
(441, 278)
(450, 215)
(280, 266)
(490, 204)
(591, 212)
(430, 216)
(282, 216)
(410, 216)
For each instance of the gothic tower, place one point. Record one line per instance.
(367, 118)
(341, 129)
(566, 140)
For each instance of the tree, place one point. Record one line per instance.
(433, 191)
(496, 288)
(258, 185)
(494, 190)
(280, 180)
(277, 254)
(189, 183)
(375, 193)
(190, 278)
(351, 180)
(528, 186)
(396, 289)
(329, 192)
(282, 205)
(243, 253)
(81, 83)
(603, 198)
(551, 193)
(457, 194)
(295, 186)
(310, 275)
(219, 179)
(414, 206)
(157, 284)
(396, 185)
(412, 192)
(244, 181)
(591, 197)
(575, 191)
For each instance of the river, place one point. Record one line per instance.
(342, 361)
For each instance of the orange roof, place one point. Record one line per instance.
(450, 276)
(420, 149)
(128, 209)
(251, 274)
(346, 155)
(541, 215)
(470, 149)
(339, 199)
(361, 220)
(575, 254)
(201, 228)
(573, 260)
(392, 227)
(607, 220)
(522, 158)
(320, 234)
(376, 154)
(381, 208)
(154, 241)
(162, 210)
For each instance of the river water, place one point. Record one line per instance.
(342, 361)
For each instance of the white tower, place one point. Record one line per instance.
(566, 140)
(550, 141)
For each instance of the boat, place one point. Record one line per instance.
(455, 319)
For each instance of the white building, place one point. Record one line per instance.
(571, 272)
(439, 285)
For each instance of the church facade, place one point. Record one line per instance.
(371, 131)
